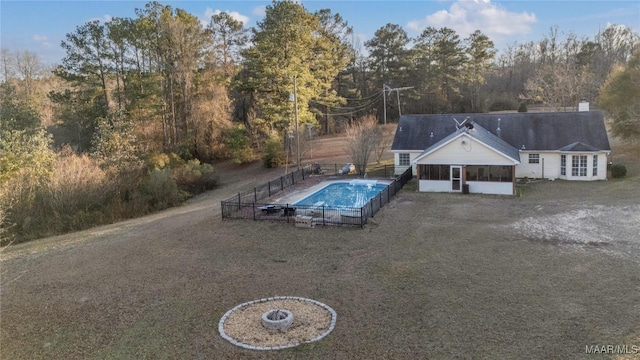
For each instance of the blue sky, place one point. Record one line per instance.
(40, 26)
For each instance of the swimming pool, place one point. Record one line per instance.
(352, 194)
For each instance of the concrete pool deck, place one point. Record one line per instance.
(301, 193)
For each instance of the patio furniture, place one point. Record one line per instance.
(270, 209)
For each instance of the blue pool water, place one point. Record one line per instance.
(353, 193)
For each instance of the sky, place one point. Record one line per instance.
(40, 26)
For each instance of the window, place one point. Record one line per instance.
(534, 158)
(494, 173)
(563, 165)
(583, 166)
(403, 159)
(595, 165)
(579, 165)
(434, 172)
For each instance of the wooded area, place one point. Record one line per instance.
(161, 93)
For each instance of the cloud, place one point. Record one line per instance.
(104, 19)
(467, 16)
(259, 10)
(234, 14)
(42, 40)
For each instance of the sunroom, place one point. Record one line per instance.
(470, 160)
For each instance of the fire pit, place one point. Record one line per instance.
(277, 323)
(277, 319)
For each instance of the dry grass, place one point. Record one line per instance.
(436, 276)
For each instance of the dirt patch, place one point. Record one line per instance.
(612, 228)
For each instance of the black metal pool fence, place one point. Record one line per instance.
(247, 205)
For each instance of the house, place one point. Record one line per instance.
(486, 153)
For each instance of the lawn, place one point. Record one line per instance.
(437, 276)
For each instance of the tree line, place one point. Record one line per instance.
(174, 85)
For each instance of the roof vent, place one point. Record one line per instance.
(400, 129)
(498, 130)
(431, 135)
(523, 148)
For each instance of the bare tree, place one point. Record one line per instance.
(28, 67)
(386, 135)
(364, 138)
(7, 63)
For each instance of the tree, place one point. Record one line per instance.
(389, 57)
(114, 142)
(620, 98)
(28, 67)
(6, 61)
(480, 52)
(16, 114)
(332, 54)
(228, 38)
(440, 60)
(85, 64)
(289, 42)
(364, 137)
(561, 80)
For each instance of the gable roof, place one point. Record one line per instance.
(535, 131)
(578, 146)
(480, 134)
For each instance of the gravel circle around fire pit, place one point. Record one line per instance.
(242, 326)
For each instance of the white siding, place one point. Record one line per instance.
(434, 186)
(487, 187)
(551, 161)
(469, 153)
(552, 166)
(602, 167)
(396, 160)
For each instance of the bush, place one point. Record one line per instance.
(522, 107)
(239, 145)
(161, 190)
(193, 176)
(618, 171)
(274, 155)
(503, 104)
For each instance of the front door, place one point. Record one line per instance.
(456, 178)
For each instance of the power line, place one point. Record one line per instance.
(349, 99)
(359, 108)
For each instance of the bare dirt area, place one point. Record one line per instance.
(439, 276)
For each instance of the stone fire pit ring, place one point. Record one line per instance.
(243, 325)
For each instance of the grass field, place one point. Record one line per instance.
(432, 276)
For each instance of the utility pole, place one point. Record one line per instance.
(384, 101)
(385, 88)
(295, 109)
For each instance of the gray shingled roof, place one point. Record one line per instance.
(534, 131)
(483, 135)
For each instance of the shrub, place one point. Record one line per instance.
(158, 161)
(239, 145)
(503, 104)
(618, 171)
(274, 155)
(161, 190)
(193, 176)
(522, 107)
